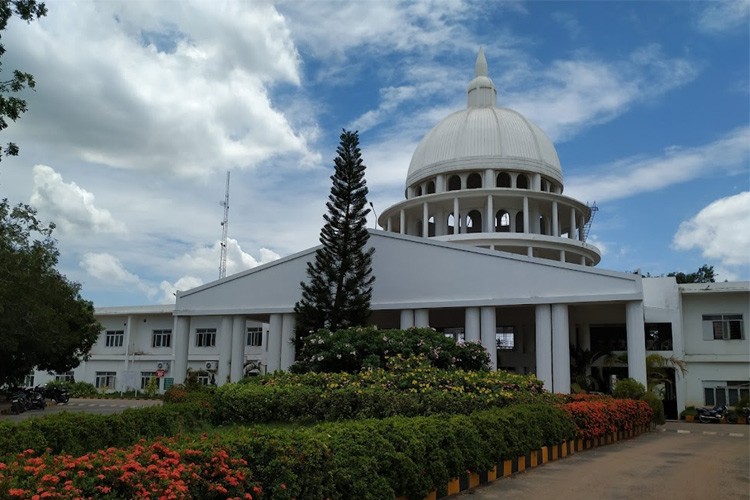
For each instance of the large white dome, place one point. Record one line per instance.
(484, 136)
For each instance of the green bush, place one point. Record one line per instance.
(355, 349)
(78, 433)
(657, 406)
(628, 388)
(689, 410)
(76, 389)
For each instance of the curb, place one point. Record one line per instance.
(508, 467)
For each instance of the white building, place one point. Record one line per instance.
(485, 246)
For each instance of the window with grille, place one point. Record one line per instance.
(254, 336)
(114, 338)
(105, 380)
(161, 338)
(205, 337)
(722, 327)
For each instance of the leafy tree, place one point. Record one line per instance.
(12, 107)
(44, 322)
(340, 277)
(705, 274)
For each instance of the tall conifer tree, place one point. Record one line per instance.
(339, 289)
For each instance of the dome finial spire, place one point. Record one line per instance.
(480, 67)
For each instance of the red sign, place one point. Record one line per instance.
(160, 373)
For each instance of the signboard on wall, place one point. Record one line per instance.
(129, 380)
(168, 382)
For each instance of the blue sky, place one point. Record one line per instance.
(141, 108)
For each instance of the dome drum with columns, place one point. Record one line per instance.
(489, 177)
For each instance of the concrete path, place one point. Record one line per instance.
(678, 460)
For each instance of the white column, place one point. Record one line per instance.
(471, 324)
(490, 226)
(526, 228)
(580, 225)
(512, 218)
(489, 178)
(422, 318)
(389, 225)
(439, 223)
(225, 351)
(407, 318)
(555, 220)
(273, 354)
(488, 327)
(636, 342)
(288, 322)
(544, 345)
(572, 231)
(562, 255)
(402, 221)
(440, 184)
(181, 339)
(239, 336)
(425, 220)
(456, 217)
(560, 349)
(126, 342)
(536, 182)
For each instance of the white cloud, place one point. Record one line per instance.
(204, 261)
(723, 16)
(729, 154)
(108, 268)
(720, 231)
(68, 205)
(169, 290)
(184, 90)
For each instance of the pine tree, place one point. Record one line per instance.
(340, 277)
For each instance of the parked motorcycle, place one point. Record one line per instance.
(18, 403)
(716, 415)
(59, 394)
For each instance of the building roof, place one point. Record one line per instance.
(482, 136)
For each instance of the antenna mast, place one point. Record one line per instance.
(224, 233)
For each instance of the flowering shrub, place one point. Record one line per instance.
(597, 418)
(163, 469)
(355, 349)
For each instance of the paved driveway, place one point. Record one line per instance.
(99, 406)
(681, 461)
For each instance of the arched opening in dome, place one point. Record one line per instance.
(545, 187)
(522, 182)
(431, 187)
(454, 183)
(418, 191)
(543, 225)
(406, 193)
(502, 221)
(474, 222)
(431, 226)
(451, 224)
(503, 180)
(474, 181)
(519, 223)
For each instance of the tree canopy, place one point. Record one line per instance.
(44, 322)
(12, 106)
(340, 276)
(705, 274)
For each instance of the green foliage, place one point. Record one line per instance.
(78, 433)
(742, 403)
(340, 283)
(355, 349)
(705, 274)
(152, 387)
(628, 388)
(11, 106)
(425, 390)
(44, 322)
(657, 406)
(689, 410)
(76, 389)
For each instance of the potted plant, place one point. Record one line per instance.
(689, 414)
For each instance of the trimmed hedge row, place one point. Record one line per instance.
(366, 459)
(600, 417)
(78, 433)
(417, 391)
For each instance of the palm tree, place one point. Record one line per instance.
(581, 362)
(657, 366)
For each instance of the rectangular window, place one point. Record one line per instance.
(658, 336)
(161, 338)
(722, 327)
(205, 337)
(64, 377)
(28, 380)
(254, 336)
(505, 338)
(605, 338)
(725, 393)
(204, 379)
(146, 377)
(105, 380)
(114, 338)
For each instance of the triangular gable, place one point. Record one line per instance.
(412, 272)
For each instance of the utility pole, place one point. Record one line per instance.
(224, 233)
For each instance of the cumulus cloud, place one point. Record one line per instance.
(186, 90)
(723, 16)
(169, 290)
(204, 261)
(729, 154)
(108, 268)
(68, 205)
(719, 231)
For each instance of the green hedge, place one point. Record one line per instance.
(78, 433)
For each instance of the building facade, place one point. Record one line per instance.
(485, 247)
